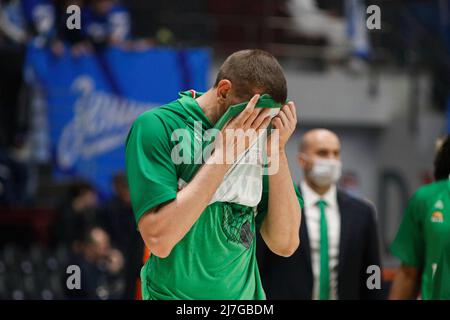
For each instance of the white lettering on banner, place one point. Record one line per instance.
(100, 124)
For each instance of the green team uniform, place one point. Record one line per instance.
(424, 232)
(216, 259)
(441, 280)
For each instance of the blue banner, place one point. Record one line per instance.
(93, 99)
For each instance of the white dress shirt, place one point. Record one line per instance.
(312, 213)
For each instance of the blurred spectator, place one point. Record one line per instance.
(314, 21)
(14, 173)
(117, 217)
(341, 23)
(338, 237)
(78, 214)
(106, 22)
(40, 20)
(12, 22)
(23, 20)
(101, 267)
(76, 38)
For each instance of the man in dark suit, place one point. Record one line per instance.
(338, 236)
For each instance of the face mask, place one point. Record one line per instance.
(325, 172)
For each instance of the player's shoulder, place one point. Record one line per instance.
(156, 124)
(165, 115)
(431, 189)
(425, 196)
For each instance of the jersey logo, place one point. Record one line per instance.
(439, 205)
(437, 216)
(236, 224)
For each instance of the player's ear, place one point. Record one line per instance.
(223, 90)
(301, 158)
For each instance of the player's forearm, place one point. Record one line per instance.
(164, 227)
(280, 229)
(405, 285)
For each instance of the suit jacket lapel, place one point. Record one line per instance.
(344, 233)
(304, 239)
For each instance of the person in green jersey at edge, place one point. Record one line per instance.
(424, 233)
(200, 228)
(441, 280)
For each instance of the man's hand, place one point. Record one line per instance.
(285, 122)
(240, 132)
(406, 284)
